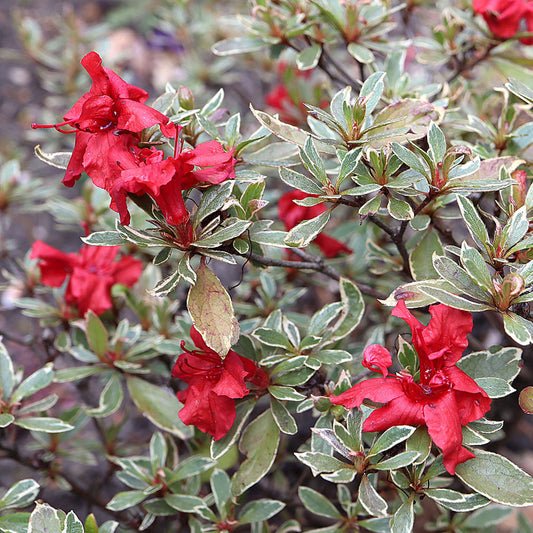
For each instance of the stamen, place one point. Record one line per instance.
(35, 126)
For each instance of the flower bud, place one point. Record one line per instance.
(185, 98)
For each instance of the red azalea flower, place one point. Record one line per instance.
(111, 113)
(503, 17)
(443, 400)
(146, 171)
(214, 384)
(91, 273)
(292, 214)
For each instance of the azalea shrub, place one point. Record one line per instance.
(303, 313)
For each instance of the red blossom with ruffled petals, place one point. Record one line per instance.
(111, 113)
(213, 386)
(443, 400)
(91, 274)
(504, 17)
(292, 214)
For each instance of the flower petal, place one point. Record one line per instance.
(444, 427)
(381, 390)
(377, 356)
(398, 412)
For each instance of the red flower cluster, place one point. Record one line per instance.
(444, 399)
(504, 16)
(108, 122)
(91, 273)
(214, 384)
(292, 214)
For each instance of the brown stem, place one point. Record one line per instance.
(312, 263)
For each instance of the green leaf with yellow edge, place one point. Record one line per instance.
(96, 334)
(212, 312)
(259, 442)
(497, 478)
(352, 311)
(54, 159)
(406, 120)
(287, 132)
(420, 258)
(159, 405)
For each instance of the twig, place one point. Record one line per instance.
(313, 264)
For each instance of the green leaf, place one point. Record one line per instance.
(212, 200)
(37, 381)
(184, 503)
(320, 462)
(259, 442)
(299, 181)
(243, 411)
(451, 299)
(221, 489)
(313, 162)
(55, 159)
(238, 45)
(104, 238)
(402, 520)
(15, 523)
(212, 312)
(317, 503)
(6, 419)
(361, 53)
(304, 232)
(76, 372)
(7, 374)
(352, 311)
(420, 442)
(503, 363)
(391, 437)
(233, 228)
(285, 393)
(406, 120)
(456, 501)
(96, 334)
(459, 278)
(159, 405)
(487, 517)
(399, 209)
(473, 221)
(517, 328)
(45, 424)
(166, 284)
(125, 500)
(436, 142)
(20, 495)
(497, 478)
(162, 256)
(73, 524)
(476, 267)
(45, 519)
(259, 510)
(309, 57)
(409, 158)
(495, 387)
(110, 399)
(271, 337)
(420, 259)
(371, 501)
(398, 461)
(283, 417)
(158, 451)
(192, 466)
